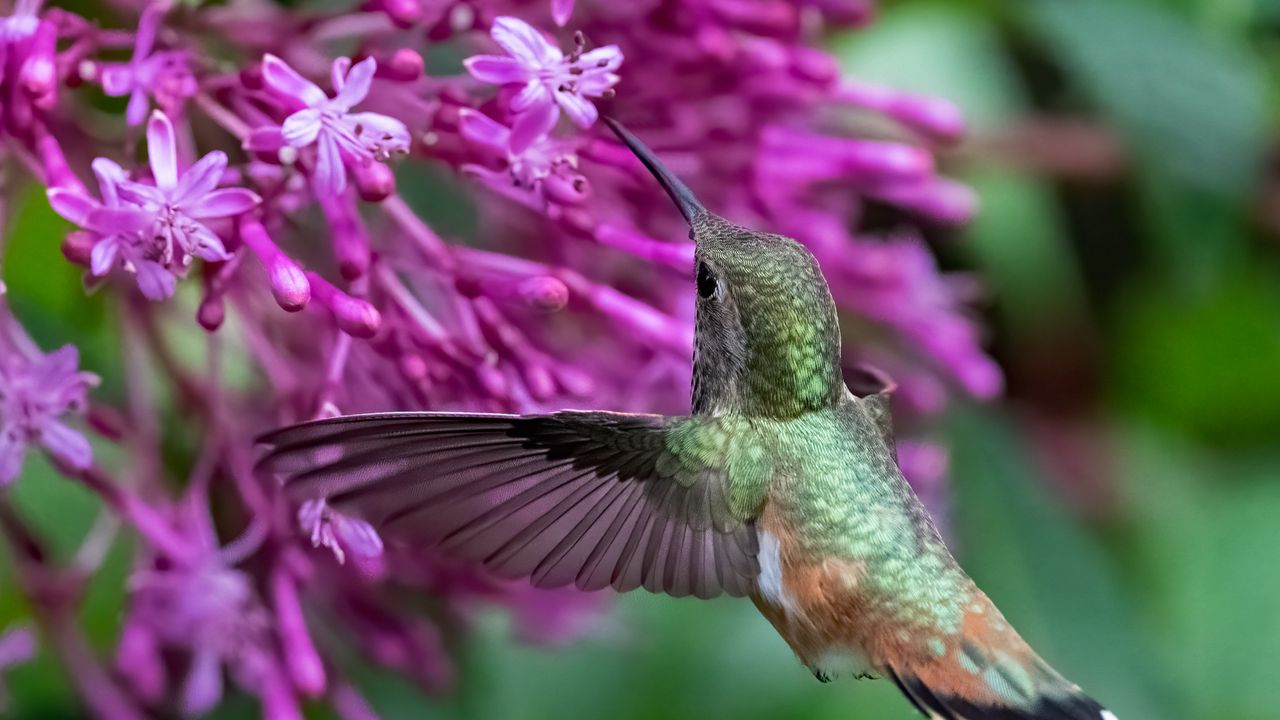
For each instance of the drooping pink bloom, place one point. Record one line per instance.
(179, 202)
(164, 75)
(35, 392)
(549, 81)
(339, 135)
(340, 533)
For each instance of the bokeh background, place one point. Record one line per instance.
(1121, 503)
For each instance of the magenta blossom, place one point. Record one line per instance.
(550, 81)
(546, 169)
(165, 75)
(178, 202)
(118, 235)
(34, 395)
(339, 135)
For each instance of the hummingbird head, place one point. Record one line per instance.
(767, 336)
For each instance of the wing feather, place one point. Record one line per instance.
(574, 498)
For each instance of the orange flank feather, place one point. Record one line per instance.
(831, 619)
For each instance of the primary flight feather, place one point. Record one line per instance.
(782, 486)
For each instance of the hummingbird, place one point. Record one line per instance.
(781, 485)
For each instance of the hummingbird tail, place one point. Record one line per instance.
(986, 671)
(1065, 702)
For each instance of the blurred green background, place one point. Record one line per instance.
(1122, 505)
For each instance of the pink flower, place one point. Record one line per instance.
(166, 75)
(340, 136)
(340, 533)
(34, 394)
(546, 168)
(178, 202)
(119, 230)
(550, 81)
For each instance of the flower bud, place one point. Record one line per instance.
(544, 293)
(77, 247)
(289, 284)
(404, 65)
(354, 316)
(212, 312)
(374, 180)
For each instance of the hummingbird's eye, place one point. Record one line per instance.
(706, 281)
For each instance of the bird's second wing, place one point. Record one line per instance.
(592, 499)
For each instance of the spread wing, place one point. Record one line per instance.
(592, 499)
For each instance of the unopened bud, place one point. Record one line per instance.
(544, 293)
(354, 316)
(374, 180)
(212, 312)
(289, 284)
(77, 247)
(405, 65)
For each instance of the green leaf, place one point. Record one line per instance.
(1193, 106)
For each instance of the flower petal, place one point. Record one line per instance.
(145, 39)
(580, 110)
(301, 128)
(103, 256)
(109, 174)
(67, 444)
(496, 69)
(287, 82)
(112, 221)
(483, 130)
(385, 131)
(532, 94)
(117, 79)
(533, 124)
(136, 111)
(329, 175)
(154, 280)
(162, 151)
(602, 59)
(12, 452)
(57, 368)
(561, 11)
(200, 179)
(265, 139)
(223, 203)
(524, 43)
(356, 536)
(357, 85)
(143, 196)
(203, 243)
(71, 205)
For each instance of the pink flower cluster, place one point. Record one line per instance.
(284, 220)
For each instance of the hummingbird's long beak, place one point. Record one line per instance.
(683, 197)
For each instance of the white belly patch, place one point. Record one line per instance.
(843, 662)
(770, 580)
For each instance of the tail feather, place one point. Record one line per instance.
(1071, 704)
